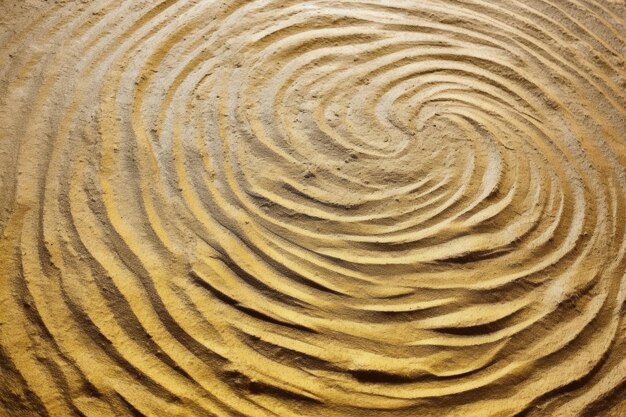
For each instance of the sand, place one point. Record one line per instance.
(313, 208)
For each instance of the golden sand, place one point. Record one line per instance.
(313, 208)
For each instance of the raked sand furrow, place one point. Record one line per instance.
(320, 208)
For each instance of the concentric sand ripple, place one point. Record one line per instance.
(313, 208)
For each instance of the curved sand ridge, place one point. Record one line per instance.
(321, 208)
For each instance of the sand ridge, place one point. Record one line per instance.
(313, 208)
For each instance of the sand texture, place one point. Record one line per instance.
(324, 208)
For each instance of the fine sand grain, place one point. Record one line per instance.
(326, 208)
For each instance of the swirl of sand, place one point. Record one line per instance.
(313, 208)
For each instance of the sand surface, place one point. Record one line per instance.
(313, 208)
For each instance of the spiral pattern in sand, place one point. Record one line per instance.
(313, 208)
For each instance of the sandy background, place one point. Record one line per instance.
(313, 208)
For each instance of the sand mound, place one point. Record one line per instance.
(313, 208)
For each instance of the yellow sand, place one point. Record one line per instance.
(332, 208)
